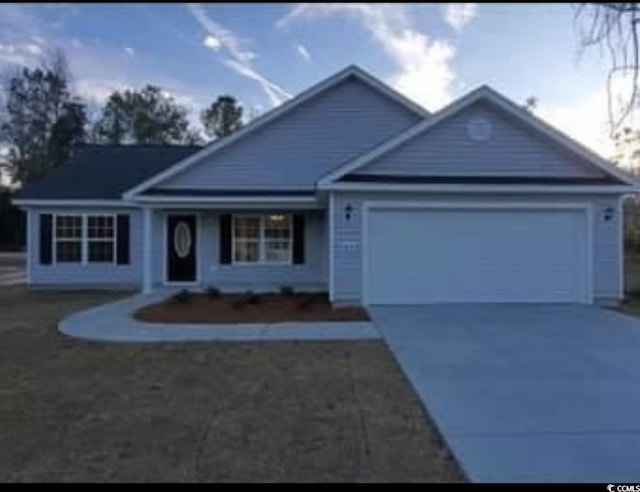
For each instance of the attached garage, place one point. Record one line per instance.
(425, 253)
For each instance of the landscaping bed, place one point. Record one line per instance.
(213, 307)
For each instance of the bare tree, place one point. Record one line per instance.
(613, 28)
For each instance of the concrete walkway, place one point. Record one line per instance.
(526, 393)
(113, 323)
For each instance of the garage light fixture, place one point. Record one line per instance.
(608, 213)
(347, 211)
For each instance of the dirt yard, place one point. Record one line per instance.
(256, 412)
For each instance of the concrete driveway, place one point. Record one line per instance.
(526, 392)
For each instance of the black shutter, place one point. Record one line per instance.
(298, 238)
(46, 232)
(122, 247)
(225, 239)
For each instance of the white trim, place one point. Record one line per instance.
(621, 259)
(239, 206)
(331, 221)
(275, 113)
(227, 199)
(147, 258)
(504, 103)
(261, 241)
(196, 245)
(73, 203)
(367, 206)
(473, 188)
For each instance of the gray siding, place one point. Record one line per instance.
(296, 149)
(313, 273)
(347, 238)
(512, 150)
(92, 274)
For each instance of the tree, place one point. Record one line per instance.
(147, 116)
(223, 117)
(614, 28)
(530, 103)
(41, 120)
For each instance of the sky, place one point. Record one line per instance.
(264, 54)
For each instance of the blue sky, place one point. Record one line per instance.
(265, 53)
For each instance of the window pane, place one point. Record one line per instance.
(100, 226)
(247, 251)
(100, 251)
(246, 227)
(278, 251)
(69, 226)
(68, 251)
(276, 226)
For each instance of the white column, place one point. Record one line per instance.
(147, 242)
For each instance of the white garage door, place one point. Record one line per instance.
(414, 256)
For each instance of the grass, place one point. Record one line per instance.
(258, 412)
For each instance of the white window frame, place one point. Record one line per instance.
(262, 240)
(84, 239)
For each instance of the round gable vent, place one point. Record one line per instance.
(479, 129)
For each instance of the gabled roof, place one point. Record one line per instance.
(325, 85)
(482, 93)
(104, 172)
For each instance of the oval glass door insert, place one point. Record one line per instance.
(182, 240)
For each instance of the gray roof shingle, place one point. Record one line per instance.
(104, 172)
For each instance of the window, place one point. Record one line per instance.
(262, 239)
(84, 238)
(101, 238)
(68, 234)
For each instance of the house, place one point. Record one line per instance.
(351, 188)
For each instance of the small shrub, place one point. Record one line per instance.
(213, 292)
(251, 297)
(287, 291)
(238, 302)
(183, 297)
(306, 301)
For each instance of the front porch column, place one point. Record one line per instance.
(147, 275)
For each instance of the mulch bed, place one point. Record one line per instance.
(242, 308)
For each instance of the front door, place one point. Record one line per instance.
(181, 244)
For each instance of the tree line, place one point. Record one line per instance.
(42, 119)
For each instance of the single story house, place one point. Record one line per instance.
(350, 188)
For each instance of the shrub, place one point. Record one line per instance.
(213, 292)
(183, 297)
(306, 301)
(287, 291)
(251, 297)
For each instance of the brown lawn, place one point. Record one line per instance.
(240, 308)
(74, 411)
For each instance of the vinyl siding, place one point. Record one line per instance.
(295, 150)
(347, 237)
(513, 150)
(313, 273)
(91, 274)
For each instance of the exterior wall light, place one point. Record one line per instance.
(608, 214)
(347, 211)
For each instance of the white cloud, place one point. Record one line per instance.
(76, 43)
(98, 90)
(37, 39)
(240, 58)
(423, 64)
(458, 15)
(212, 42)
(129, 51)
(20, 53)
(303, 52)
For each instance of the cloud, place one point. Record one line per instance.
(423, 70)
(240, 59)
(302, 51)
(27, 54)
(212, 42)
(129, 51)
(458, 15)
